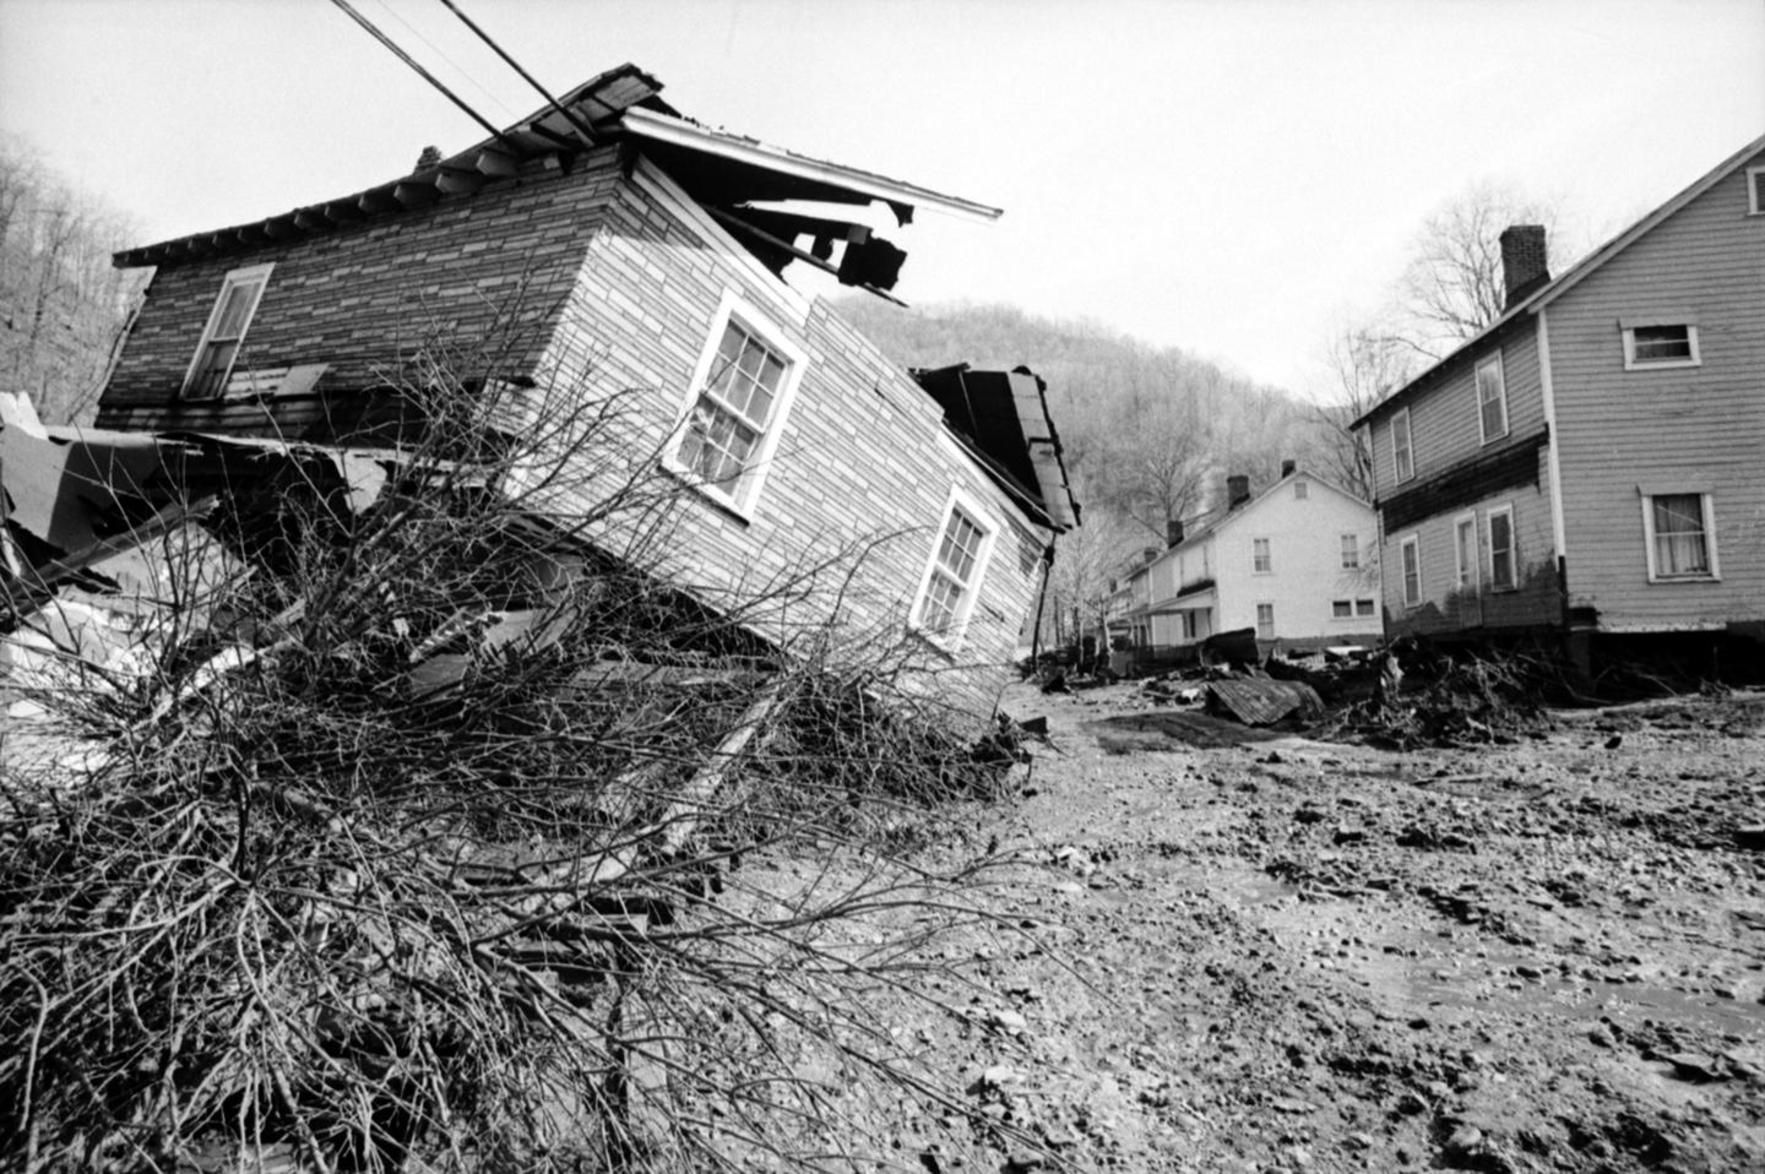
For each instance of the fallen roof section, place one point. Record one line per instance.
(1003, 415)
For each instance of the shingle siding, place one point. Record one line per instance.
(361, 298)
(1625, 431)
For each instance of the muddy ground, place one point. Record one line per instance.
(1542, 953)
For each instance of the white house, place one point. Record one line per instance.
(1298, 563)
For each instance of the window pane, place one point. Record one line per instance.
(235, 304)
(1661, 344)
(1680, 546)
(1265, 621)
(1363, 607)
(1501, 550)
(1341, 609)
(1351, 552)
(717, 444)
(942, 596)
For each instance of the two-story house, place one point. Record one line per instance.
(1297, 562)
(608, 247)
(1589, 464)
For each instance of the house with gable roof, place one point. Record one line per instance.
(1589, 465)
(1296, 563)
(612, 246)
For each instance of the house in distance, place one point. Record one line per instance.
(1297, 563)
(607, 245)
(1587, 468)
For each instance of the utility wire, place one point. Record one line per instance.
(442, 53)
(423, 73)
(576, 121)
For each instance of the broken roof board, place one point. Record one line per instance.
(619, 103)
(1005, 415)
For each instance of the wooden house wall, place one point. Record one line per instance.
(1625, 431)
(859, 483)
(1447, 442)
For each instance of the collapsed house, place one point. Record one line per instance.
(1585, 469)
(608, 248)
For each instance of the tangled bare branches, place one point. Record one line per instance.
(423, 844)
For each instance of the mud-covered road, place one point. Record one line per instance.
(1543, 954)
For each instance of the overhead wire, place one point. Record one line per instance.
(442, 53)
(574, 119)
(398, 52)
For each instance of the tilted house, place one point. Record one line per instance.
(1296, 563)
(1590, 463)
(609, 247)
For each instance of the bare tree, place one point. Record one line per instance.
(62, 304)
(1453, 286)
(1367, 363)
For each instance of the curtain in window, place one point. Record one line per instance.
(1680, 548)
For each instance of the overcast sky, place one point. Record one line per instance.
(1230, 177)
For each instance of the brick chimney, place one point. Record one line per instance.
(1237, 490)
(1173, 532)
(1288, 468)
(1524, 266)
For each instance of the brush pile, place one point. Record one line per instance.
(410, 854)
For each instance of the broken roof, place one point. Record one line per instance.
(715, 167)
(1552, 290)
(1003, 417)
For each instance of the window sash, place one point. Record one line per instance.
(1465, 549)
(954, 576)
(1265, 621)
(1403, 457)
(1682, 548)
(1342, 609)
(1492, 399)
(1363, 607)
(1351, 552)
(1660, 344)
(734, 408)
(1501, 550)
(1410, 554)
(1260, 560)
(224, 335)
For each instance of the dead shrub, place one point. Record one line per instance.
(424, 848)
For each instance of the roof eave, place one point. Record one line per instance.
(678, 132)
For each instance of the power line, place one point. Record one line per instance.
(582, 127)
(423, 73)
(442, 53)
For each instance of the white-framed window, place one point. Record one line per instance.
(952, 579)
(1342, 609)
(1300, 489)
(1409, 558)
(1265, 621)
(1351, 552)
(1464, 548)
(241, 290)
(1492, 399)
(1261, 561)
(1756, 191)
(1680, 534)
(735, 407)
(1363, 607)
(1652, 345)
(1403, 459)
(1503, 557)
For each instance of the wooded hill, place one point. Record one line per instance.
(62, 304)
(1150, 433)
